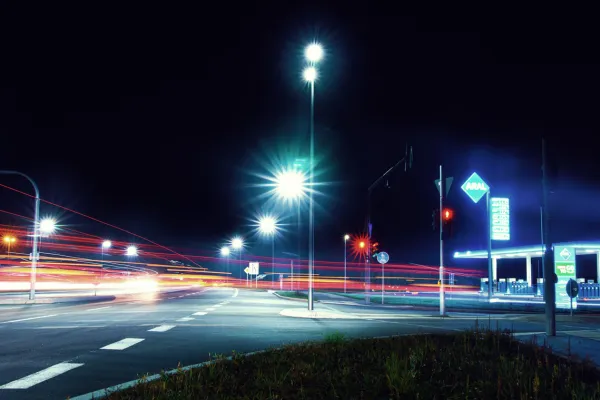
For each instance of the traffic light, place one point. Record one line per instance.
(375, 249)
(448, 215)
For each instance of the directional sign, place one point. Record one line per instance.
(572, 288)
(565, 268)
(252, 268)
(475, 187)
(383, 257)
(448, 184)
(500, 214)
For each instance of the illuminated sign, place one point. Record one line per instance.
(475, 187)
(500, 214)
(565, 268)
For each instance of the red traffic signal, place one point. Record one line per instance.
(447, 215)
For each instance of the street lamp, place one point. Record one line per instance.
(36, 226)
(290, 184)
(237, 243)
(313, 54)
(107, 244)
(131, 251)
(47, 226)
(267, 225)
(225, 251)
(9, 240)
(346, 238)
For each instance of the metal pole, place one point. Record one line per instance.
(542, 235)
(292, 275)
(36, 226)
(368, 257)
(382, 282)
(311, 217)
(273, 260)
(549, 286)
(441, 223)
(345, 256)
(489, 246)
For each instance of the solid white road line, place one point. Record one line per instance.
(29, 319)
(99, 308)
(122, 344)
(236, 293)
(210, 309)
(162, 328)
(41, 376)
(199, 313)
(185, 319)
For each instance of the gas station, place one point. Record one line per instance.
(526, 286)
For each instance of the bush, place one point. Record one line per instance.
(467, 365)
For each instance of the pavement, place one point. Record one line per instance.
(52, 351)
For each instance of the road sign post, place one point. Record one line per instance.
(572, 291)
(383, 258)
(475, 187)
(442, 189)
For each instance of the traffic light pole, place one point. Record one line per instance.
(407, 160)
(549, 285)
(442, 295)
(489, 246)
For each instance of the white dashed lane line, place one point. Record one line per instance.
(210, 309)
(185, 319)
(122, 344)
(162, 328)
(41, 376)
(29, 319)
(99, 308)
(199, 313)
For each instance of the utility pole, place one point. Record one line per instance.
(549, 284)
(442, 295)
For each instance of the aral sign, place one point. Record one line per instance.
(475, 187)
(565, 267)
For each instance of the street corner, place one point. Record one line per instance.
(321, 314)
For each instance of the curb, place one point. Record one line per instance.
(103, 393)
(292, 298)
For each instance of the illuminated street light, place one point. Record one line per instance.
(361, 245)
(314, 52)
(310, 74)
(107, 244)
(131, 251)
(47, 226)
(225, 251)
(237, 243)
(290, 185)
(267, 225)
(9, 240)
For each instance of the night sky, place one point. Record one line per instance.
(158, 120)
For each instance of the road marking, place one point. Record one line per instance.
(185, 319)
(528, 333)
(210, 309)
(99, 308)
(29, 319)
(162, 328)
(236, 293)
(41, 376)
(224, 303)
(199, 313)
(217, 305)
(70, 326)
(122, 344)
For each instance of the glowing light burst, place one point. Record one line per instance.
(131, 251)
(48, 226)
(237, 243)
(225, 251)
(359, 246)
(267, 225)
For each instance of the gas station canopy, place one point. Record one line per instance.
(581, 248)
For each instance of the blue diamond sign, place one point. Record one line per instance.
(475, 187)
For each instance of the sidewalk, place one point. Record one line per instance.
(582, 345)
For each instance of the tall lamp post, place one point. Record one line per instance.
(36, 225)
(225, 253)
(107, 244)
(237, 243)
(346, 238)
(314, 54)
(267, 225)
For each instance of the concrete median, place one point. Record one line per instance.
(54, 300)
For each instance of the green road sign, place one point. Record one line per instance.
(565, 268)
(475, 187)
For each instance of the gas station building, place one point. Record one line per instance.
(528, 253)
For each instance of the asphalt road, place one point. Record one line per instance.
(55, 351)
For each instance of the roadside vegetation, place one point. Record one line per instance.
(293, 295)
(467, 365)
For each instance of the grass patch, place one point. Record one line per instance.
(467, 365)
(294, 295)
